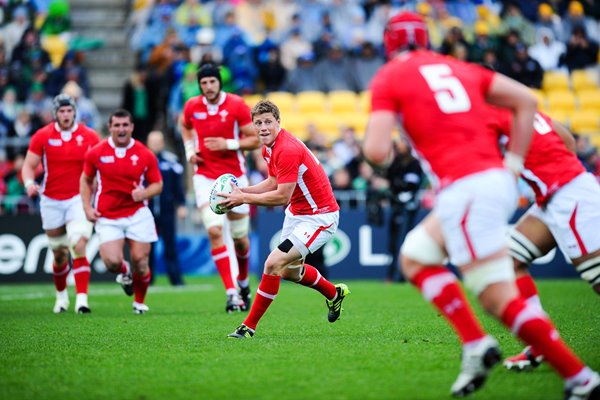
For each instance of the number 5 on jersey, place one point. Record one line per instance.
(449, 93)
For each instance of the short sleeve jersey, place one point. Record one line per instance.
(549, 164)
(117, 171)
(220, 120)
(441, 103)
(289, 160)
(62, 157)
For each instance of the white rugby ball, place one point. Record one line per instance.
(223, 184)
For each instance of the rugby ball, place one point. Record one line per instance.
(223, 184)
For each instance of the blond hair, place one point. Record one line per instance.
(264, 107)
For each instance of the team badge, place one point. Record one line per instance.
(79, 140)
(134, 159)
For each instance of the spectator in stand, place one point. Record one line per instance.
(382, 12)
(9, 106)
(575, 17)
(205, 45)
(507, 50)
(525, 69)
(15, 190)
(27, 60)
(14, 30)
(426, 11)
(158, 29)
(453, 37)
(190, 16)
(365, 64)
(346, 148)
(69, 70)
(582, 52)
(271, 71)
(137, 100)
(482, 42)
(22, 129)
(303, 78)
(547, 19)
(547, 51)
(292, 48)
(513, 19)
(58, 20)
(239, 58)
(38, 102)
(336, 71)
(87, 112)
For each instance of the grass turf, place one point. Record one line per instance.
(389, 344)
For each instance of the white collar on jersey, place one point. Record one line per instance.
(214, 108)
(120, 152)
(66, 135)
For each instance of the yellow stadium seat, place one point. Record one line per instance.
(582, 80)
(311, 102)
(541, 98)
(555, 81)
(561, 100)
(589, 100)
(358, 121)
(295, 123)
(560, 116)
(285, 101)
(342, 101)
(595, 140)
(364, 101)
(585, 121)
(252, 99)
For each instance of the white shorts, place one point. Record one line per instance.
(56, 213)
(309, 232)
(203, 185)
(139, 227)
(573, 216)
(474, 213)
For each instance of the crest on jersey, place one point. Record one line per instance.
(79, 140)
(223, 115)
(200, 115)
(134, 159)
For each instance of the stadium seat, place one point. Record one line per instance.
(358, 121)
(285, 101)
(582, 80)
(541, 98)
(595, 140)
(295, 123)
(342, 101)
(364, 101)
(589, 100)
(311, 102)
(585, 121)
(561, 100)
(560, 116)
(555, 81)
(329, 125)
(252, 99)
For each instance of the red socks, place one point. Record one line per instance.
(531, 325)
(312, 278)
(440, 287)
(267, 290)
(59, 274)
(242, 260)
(528, 290)
(140, 286)
(221, 257)
(81, 273)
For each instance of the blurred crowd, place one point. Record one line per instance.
(282, 45)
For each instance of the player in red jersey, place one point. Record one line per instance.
(566, 213)
(121, 167)
(216, 129)
(60, 146)
(296, 179)
(443, 106)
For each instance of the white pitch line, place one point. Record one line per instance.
(110, 292)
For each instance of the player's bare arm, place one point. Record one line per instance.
(30, 164)
(267, 185)
(86, 186)
(565, 135)
(187, 133)
(377, 145)
(248, 141)
(279, 197)
(508, 93)
(140, 193)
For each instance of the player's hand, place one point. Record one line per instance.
(215, 143)
(33, 189)
(182, 212)
(196, 159)
(233, 199)
(138, 193)
(91, 214)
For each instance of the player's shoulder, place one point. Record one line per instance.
(194, 102)
(45, 130)
(288, 143)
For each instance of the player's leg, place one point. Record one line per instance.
(213, 223)
(112, 240)
(79, 231)
(239, 224)
(53, 213)
(140, 234)
(529, 239)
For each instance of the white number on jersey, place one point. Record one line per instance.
(540, 125)
(449, 93)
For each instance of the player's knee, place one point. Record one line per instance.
(240, 227)
(215, 233)
(589, 270)
(522, 250)
(78, 233)
(113, 264)
(58, 242)
(61, 255)
(77, 246)
(482, 275)
(419, 249)
(210, 219)
(274, 265)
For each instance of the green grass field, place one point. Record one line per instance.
(389, 344)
